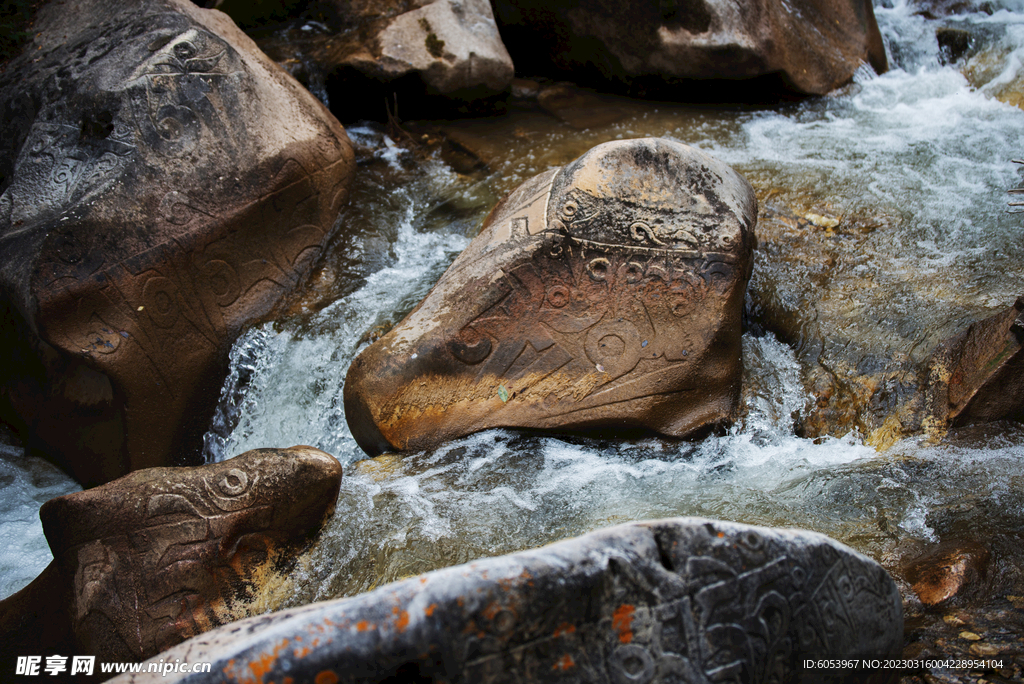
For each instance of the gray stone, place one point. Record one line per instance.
(674, 600)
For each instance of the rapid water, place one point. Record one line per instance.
(912, 168)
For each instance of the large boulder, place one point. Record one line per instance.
(163, 185)
(814, 45)
(605, 295)
(425, 51)
(163, 554)
(686, 600)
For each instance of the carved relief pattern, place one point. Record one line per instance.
(180, 84)
(60, 167)
(726, 626)
(177, 573)
(614, 312)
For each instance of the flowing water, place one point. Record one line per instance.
(909, 170)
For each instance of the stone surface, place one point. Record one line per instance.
(163, 554)
(946, 571)
(815, 45)
(426, 47)
(978, 375)
(605, 295)
(678, 600)
(163, 185)
(34, 621)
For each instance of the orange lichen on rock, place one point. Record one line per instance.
(327, 677)
(564, 663)
(563, 629)
(622, 620)
(429, 610)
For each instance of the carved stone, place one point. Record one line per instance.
(814, 45)
(163, 185)
(164, 554)
(683, 600)
(605, 295)
(978, 375)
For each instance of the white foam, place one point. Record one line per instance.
(27, 484)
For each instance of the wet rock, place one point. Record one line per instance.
(163, 185)
(436, 48)
(978, 375)
(993, 71)
(815, 45)
(948, 570)
(673, 600)
(602, 296)
(163, 554)
(954, 44)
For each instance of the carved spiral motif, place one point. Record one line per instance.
(614, 346)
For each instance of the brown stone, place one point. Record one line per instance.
(163, 554)
(815, 45)
(34, 621)
(164, 185)
(946, 571)
(447, 48)
(978, 375)
(605, 295)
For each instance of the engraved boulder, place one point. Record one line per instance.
(680, 600)
(163, 554)
(814, 46)
(162, 185)
(602, 296)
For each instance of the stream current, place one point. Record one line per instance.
(918, 160)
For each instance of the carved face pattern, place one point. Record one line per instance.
(164, 554)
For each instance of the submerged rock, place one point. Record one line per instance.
(163, 185)
(815, 45)
(948, 570)
(605, 295)
(674, 600)
(163, 554)
(977, 376)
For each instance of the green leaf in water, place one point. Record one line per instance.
(503, 393)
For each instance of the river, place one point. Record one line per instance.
(908, 174)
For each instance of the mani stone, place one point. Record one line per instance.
(812, 46)
(162, 185)
(163, 554)
(680, 600)
(605, 295)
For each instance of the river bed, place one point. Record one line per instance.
(906, 238)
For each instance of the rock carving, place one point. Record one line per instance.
(167, 185)
(164, 554)
(666, 601)
(604, 294)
